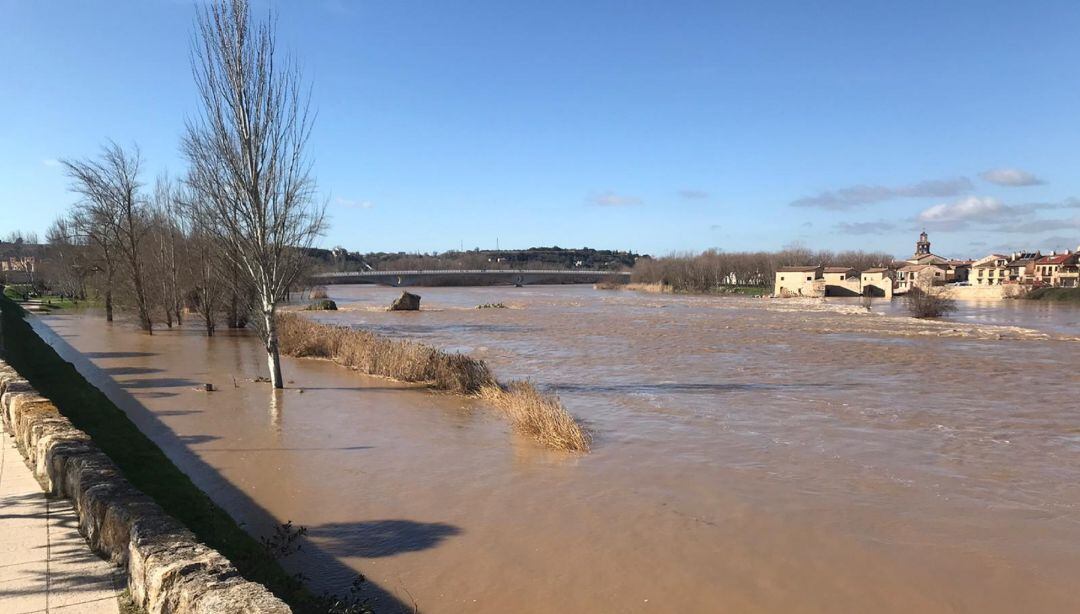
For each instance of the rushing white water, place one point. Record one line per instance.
(749, 456)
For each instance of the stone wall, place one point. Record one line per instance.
(168, 569)
(972, 293)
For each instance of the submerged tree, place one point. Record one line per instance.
(922, 304)
(68, 266)
(205, 267)
(168, 244)
(113, 214)
(246, 154)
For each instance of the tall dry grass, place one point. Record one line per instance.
(540, 415)
(373, 354)
(534, 413)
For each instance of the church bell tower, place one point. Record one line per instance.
(922, 248)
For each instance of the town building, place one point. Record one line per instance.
(800, 281)
(1067, 274)
(1047, 268)
(18, 263)
(989, 271)
(1021, 268)
(877, 282)
(842, 281)
(922, 276)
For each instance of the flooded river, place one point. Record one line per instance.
(749, 455)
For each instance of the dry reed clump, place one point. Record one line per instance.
(539, 415)
(318, 292)
(369, 353)
(653, 288)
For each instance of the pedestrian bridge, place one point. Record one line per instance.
(479, 277)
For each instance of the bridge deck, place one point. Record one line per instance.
(515, 276)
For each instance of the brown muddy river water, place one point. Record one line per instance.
(749, 455)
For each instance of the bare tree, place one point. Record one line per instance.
(206, 269)
(168, 241)
(113, 206)
(68, 264)
(246, 154)
(94, 232)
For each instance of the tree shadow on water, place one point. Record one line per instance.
(192, 440)
(378, 538)
(117, 354)
(131, 370)
(158, 382)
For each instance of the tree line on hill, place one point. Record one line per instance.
(339, 259)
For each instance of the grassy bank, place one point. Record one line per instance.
(20, 292)
(539, 415)
(1065, 295)
(142, 462)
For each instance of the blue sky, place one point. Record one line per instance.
(652, 126)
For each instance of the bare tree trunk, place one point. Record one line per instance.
(140, 300)
(273, 357)
(108, 291)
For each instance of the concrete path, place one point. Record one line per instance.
(45, 564)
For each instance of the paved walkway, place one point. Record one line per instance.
(45, 564)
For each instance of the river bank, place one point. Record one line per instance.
(662, 288)
(1070, 295)
(750, 455)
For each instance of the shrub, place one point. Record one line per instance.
(318, 292)
(922, 304)
(322, 305)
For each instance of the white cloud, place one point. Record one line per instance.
(50, 162)
(854, 196)
(995, 215)
(353, 204)
(967, 209)
(691, 194)
(864, 228)
(1011, 177)
(611, 199)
